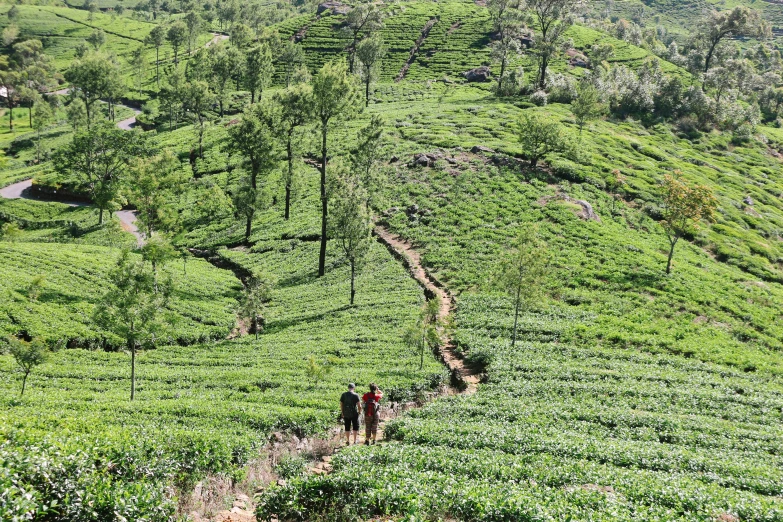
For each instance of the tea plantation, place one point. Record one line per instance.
(629, 393)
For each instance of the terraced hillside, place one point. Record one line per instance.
(630, 394)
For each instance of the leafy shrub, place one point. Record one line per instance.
(290, 466)
(539, 98)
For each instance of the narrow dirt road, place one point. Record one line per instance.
(412, 260)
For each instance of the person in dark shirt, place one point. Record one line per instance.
(350, 408)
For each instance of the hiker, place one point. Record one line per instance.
(372, 412)
(350, 408)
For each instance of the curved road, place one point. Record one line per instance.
(127, 217)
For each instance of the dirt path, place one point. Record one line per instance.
(425, 32)
(216, 37)
(432, 287)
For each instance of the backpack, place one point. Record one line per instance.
(372, 408)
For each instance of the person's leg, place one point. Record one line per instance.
(347, 426)
(355, 429)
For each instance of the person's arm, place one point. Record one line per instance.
(342, 411)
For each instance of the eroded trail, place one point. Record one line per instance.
(404, 251)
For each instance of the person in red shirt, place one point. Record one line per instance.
(372, 413)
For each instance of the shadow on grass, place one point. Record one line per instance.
(278, 326)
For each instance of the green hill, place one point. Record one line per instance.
(631, 394)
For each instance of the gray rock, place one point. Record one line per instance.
(333, 7)
(748, 201)
(587, 210)
(479, 74)
(480, 149)
(578, 61)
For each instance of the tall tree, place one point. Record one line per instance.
(42, 116)
(193, 23)
(335, 96)
(258, 70)
(364, 18)
(351, 223)
(132, 309)
(241, 36)
(366, 156)
(253, 138)
(684, 207)
(507, 23)
(177, 35)
(138, 64)
(93, 77)
(222, 69)
(14, 84)
(197, 98)
(27, 356)
(156, 38)
(291, 57)
(551, 19)
(258, 292)
(151, 189)
(370, 53)
(99, 157)
(523, 272)
(295, 104)
(718, 26)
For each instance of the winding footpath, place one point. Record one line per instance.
(465, 377)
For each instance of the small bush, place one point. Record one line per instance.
(539, 98)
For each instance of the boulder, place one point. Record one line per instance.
(587, 212)
(426, 159)
(748, 201)
(333, 7)
(481, 149)
(578, 61)
(479, 74)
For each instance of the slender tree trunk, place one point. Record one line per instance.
(100, 216)
(200, 137)
(133, 370)
(24, 383)
(516, 318)
(542, 72)
(252, 96)
(30, 114)
(421, 351)
(671, 254)
(38, 152)
(367, 91)
(502, 72)
(324, 207)
(249, 226)
(289, 179)
(11, 117)
(353, 281)
(221, 107)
